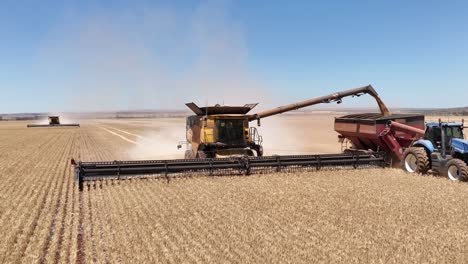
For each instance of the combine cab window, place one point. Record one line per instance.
(230, 131)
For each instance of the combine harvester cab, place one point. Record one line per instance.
(54, 121)
(220, 142)
(220, 132)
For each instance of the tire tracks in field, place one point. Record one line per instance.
(125, 132)
(120, 135)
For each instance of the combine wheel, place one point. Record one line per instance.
(457, 170)
(415, 160)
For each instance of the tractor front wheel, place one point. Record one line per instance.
(457, 170)
(415, 160)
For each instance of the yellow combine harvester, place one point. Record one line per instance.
(54, 121)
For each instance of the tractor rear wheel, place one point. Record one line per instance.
(457, 170)
(415, 160)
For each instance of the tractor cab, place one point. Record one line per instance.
(449, 131)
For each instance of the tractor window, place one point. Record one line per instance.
(433, 134)
(453, 132)
(230, 131)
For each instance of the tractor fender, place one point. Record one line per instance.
(427, 144)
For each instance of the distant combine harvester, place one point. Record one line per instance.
(54, 121)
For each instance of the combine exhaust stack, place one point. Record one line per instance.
(93, 171)
(54, 121)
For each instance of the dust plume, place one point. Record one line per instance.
(148, 58)
(160, 141)
(311, 133)
(42, 121)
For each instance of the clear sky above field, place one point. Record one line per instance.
(122, 55)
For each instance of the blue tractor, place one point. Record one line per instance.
(443, 150)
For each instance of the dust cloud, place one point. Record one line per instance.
(148, 58)
(41, 121)
(311, 133)
(160, 141)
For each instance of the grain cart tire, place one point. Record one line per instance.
(456, 170)
(415, 160)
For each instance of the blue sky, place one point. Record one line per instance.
(123, 55)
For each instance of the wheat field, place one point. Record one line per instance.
(354, 216)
